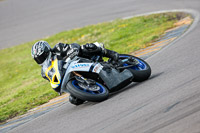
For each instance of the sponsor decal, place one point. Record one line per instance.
(98, 68)
(80, 66)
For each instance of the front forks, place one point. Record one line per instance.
(81, 79)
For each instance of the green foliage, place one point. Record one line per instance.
(21, 85)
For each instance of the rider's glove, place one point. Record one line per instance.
(72, 53)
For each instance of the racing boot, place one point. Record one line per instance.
(111, 54)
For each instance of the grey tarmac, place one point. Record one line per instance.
(168, 102)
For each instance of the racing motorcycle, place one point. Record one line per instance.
(93, 79)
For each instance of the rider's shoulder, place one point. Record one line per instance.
(73, 45)
(60, 44)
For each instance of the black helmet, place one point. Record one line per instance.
(40, 51)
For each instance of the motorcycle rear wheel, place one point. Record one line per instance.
(94, 96)
(141, 72)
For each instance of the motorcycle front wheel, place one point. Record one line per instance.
(141, 71)
(98, 95)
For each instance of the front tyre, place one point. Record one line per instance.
(141, 71)
(80, 92)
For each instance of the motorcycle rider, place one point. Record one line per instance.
(41, 51)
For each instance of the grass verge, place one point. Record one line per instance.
(22, 87)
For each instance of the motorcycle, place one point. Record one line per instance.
(93, 79)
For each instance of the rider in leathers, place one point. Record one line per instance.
(41, 52)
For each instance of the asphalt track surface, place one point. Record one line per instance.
(168, 102)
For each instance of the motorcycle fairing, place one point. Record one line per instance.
(75, 66)
(85, 67)
(53, 74)
(115, 80)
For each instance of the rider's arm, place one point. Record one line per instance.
(60, 49)
(73, 51)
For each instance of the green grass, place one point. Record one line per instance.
(23, 88)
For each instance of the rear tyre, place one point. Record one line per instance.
(141, 71)
(76, 90)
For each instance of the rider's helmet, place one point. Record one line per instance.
(40, 51)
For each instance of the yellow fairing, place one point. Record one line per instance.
(52, 73)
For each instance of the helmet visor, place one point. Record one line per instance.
(40, 59)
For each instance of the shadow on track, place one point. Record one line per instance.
(113, 94)
(134, 84)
